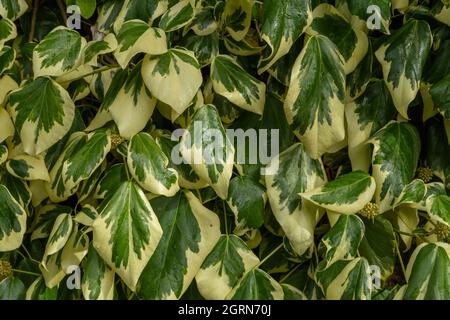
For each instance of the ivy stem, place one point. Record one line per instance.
(400, 258)
(269, 255)
(26, 272)
(225, 217)
(29, 255)
(405, 233)
(33, 20)
(99, 70)
(62, 9)
(289, 273)
(126, 168)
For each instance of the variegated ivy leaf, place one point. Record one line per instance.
(402, 58)
(98, 279)
(12, 221)
(437, 146)
(87, 215)
(291, 172)
(352, 43)
(441, 11)
(3, 154)
(58, 53)
(230, 80)
(61, 230)
(28, 167)
(7, 84)
(396, 149)
(177, 16)
(126, 232)
(222, 269)
(187, 178)
(100, 83)
(247, 200)
(342, 241)
(206, 48)
(175, 71)
(149, 166)
(136, 36)
(374, 13)
(440, 93)
(52, 271)
(314, 103)
(257, 285)
(438, 208)
(42, 112)
(284, 22)
(412, 193)
(18, 188)
(246, 47)
(204, 22)
(345, 280)
(87, 186)
(8, 31)
(406, 220)
(365, 116)
(39, 291)
(6, 125)
(347, 194)
(128, 102)
(82, 155)
(13, 9)
(357, 81)
(206, 147)
(7, 58)
(145, 10)
(114, 177)
(237, 16)
(190, 232)
(97, 47)
(75, 249)
(292, 293)
(427, 273)
(378, 245)
(45, 218)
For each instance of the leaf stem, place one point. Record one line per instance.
(287, 275)
(269, 255)
(400, 258)
(99, 70)
(29, 255)
(33, 20)
(225, 217)
(26, 272)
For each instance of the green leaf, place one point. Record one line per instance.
(45, 218)
(13, 9)
(291, 172)
(292, 293)
(115, 176)
(358, 80)
(12, 221)
(257, 285)
(396, 150)
(222, 269)
(177, 16)
(61, 230)
(190, 232)
(28, 167)
(347, 194)
(437, 147)
(145, 10)
(134, 37)
(97, 47)
(230, 80)
(412, 193)
(247, 199)
(175, 71)
(149, 166)
(403, 58)
(427, 273)
(440, 93)
(351, 42)
(236, 17)
(126, 232)
(378, 245)
(87, 7)
(38, 291)
(42, 112)
(12, 288)
(206, 147)
(283, 23)
(206, 48)
(314, 104)
(441, 11)
(58, 53)
(98, 279)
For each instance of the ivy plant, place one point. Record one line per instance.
(119, 178)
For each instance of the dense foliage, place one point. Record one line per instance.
(352, 204)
